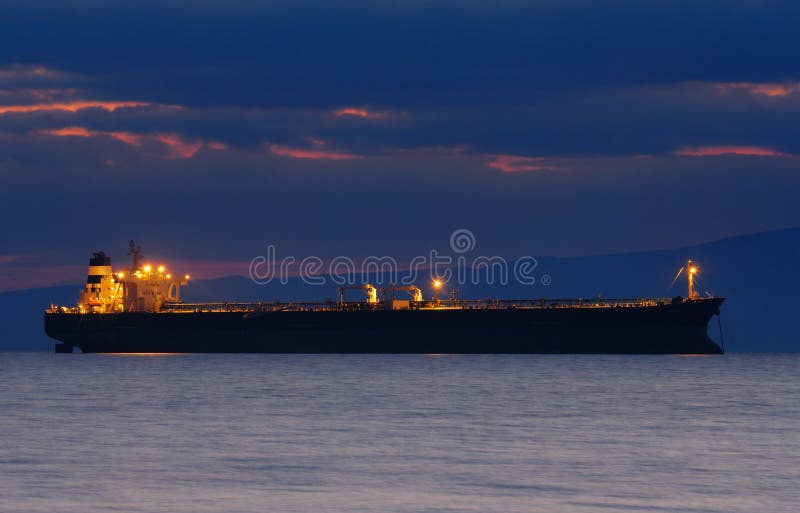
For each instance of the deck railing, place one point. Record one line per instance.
(442, 304)
(460, 304)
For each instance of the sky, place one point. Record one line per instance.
(207, 130)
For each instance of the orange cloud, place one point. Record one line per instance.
(179, 147)
(360, 113)
(762, 88)
(318, 151)
(79, 131)
(714, 151)
(71, 106)
(517, 163)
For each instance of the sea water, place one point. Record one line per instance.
(370, 433)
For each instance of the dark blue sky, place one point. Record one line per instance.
(206, 130)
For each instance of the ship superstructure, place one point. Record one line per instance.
(143, 287)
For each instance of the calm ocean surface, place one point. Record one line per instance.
(258, 433)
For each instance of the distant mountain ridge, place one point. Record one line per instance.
(758, 274)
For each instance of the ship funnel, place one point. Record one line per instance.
(99, 283)
(99, 267)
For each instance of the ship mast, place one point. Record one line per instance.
(136, 252)
(691, 270)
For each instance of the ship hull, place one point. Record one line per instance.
(679, 328)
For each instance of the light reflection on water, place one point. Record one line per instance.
(306, 433)
(142, 354)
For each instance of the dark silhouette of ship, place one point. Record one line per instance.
(141, 311)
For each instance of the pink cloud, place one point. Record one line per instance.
(517, 163)
(772, 89)
(7, 259)
(179, 147)
(126, 137)
(218, 146)
(70, 106)
(361, 112)
(318, 151)
(300, 153)
(79, 131)
(714, 151)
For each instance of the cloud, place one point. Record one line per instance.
(7, 259)
(29, 73)
(71, 106)
(34, 95)
(218, 146)
(318, 151)
(621, 121)
(468, 81)
(301, 153)
(79, 131)
(397, 53)
(714, 151)
(361, 113)
(179, 147)
(771, 89)
(517, 163)
(51, 94)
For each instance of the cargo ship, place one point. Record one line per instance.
(140, 310)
